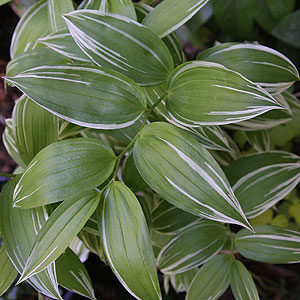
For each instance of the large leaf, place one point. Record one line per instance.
(59, 230)
(34, 128)
(184, 173)
(192, 247)
(122, 7)
(88, 96)
(126, 242)
(241, 282)
(269, 244)
(262, 65)
(171, 14)
(64, 169)
(260, 180)
(206, 93)
(211, 280)
(19, 228)
(121, 44)
(8, 272)
(32, 26)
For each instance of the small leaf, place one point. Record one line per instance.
(184, 173)
(211, 280)
(269, 244)
(169, 15)
(126, 242)
(182, 281)
(122, 7)
(88, 96)
(121, 44)
(94, 4)
(259, 140)
(192, 247)
(64, 169)
(241, 282)
(206, 93)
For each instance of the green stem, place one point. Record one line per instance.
(231, 239)
(7, 175)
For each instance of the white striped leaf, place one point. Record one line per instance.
(206, 93)
(126, 242)
(34, 128)
(8, 272)
(79, 249)
(260, 180)
(72, 274)
(212, 279)
(168, 219)
(259, 140)
(59, 230)
(88, 96)
(122, 7)
(101, 5)
(269, 244)
(192, 246)
(184, 173)
(292, 101)
(260, 64)
(182, 281)
(19, 228)
(32, 26)
(169, 15)
(241, 282)
(63, 169)
(63, 43)
(121, 44)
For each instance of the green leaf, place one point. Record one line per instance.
(34, 128)
(63, 169)
(88, 96)
(211, 280)
(2, 2)
(259, 140)
(8, 272)
(169, 15)
(126, 242)
(59, 230)
(32, 26)
(72, 274)
(121, 44)
(262, 65)
(101, 5)
(184, 173)
(206, 93)
(288, 29)
(168, 219)
(263, 15)
(260, 180)
(19, 228)
(280, 8)
(269, 244)
(182, 281)
(122, 7)
(192, 247)
(241, 282)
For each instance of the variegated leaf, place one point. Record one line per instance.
(171, 14)
(259, 140)
(262, 65)
(269, 244)
(206, 93)
(192, 247)
(59, 230)
(88, 96)
(63, 169)
(184, 173)
(122, 7)
(101, 5)
(182, 281)
(126, 242)
(121, 44)
(260, 180)
(241, 282)
(81, 251)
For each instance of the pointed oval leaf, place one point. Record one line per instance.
(184, 173)
(122, 7)
(171, 14)
(126, 242)
(60, 229)
(260, 180)
(241, 282)
(192, 247)
(121, 44)
(63, 169)
(34, 128)
(260, 64)
(206, 93)
(19, 228)
(107, 99)
(211, 280)
(269, 244)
